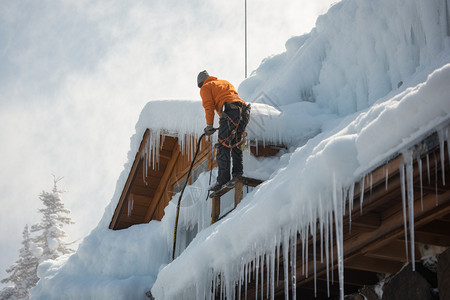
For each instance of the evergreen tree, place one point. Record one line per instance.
(50, 234)
(23, 272)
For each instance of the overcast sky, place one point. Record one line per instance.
(75, 74)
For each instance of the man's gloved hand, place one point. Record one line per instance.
(209, 129)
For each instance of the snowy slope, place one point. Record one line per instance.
(369, 71)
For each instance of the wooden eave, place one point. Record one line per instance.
(145, 187)
(374, 242)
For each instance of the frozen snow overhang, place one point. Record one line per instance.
(163, 157)
(408, 196)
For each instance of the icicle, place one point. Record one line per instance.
(447, 138)
(261, 271)
(339, 234)
(331, 244)
(221, 288)
(371, 179)
(327, 253)
(294, 265)
(286, 265)
(361, 198)
(436, 178)
(268, 262)
(306, 251)
(428, 169)
(256, 275)
(303, 250)
(313, 228)
(346, 199)
(441, 146)
(405, 227)
(246, 279)
(350, 204)
(272, 275)
(386, 180)
(130, 205)
(419, 164)
(241, 279)
(410, 178)
(278, 260)
(321, 227)
(213, 294)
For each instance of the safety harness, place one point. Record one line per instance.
(226, 142)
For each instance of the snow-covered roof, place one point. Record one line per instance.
(368, 82)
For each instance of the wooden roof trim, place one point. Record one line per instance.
(163, 183)
(392, 167)
(131, 175)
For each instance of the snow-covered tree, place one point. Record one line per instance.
(50, 234)
(23, 272)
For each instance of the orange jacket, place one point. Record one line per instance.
(215, 92)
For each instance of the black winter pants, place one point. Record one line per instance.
(224, 154)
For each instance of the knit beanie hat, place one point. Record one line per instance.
(201, 78)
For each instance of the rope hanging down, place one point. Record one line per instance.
(181, 195)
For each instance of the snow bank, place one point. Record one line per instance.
(345, 97)
(107, 265)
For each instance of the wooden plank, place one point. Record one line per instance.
(146, 191)
(229, 186)
(139, 200)
(163, 183)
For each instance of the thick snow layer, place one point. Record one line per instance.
(369, 81)
(359, 52)
(302, 189)
(108, 265)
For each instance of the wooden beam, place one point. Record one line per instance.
(163, 183)
(367, 222)
(371, 264)
(354, 277)
(429, 238)
(394, 251)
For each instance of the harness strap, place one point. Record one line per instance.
(234, 131)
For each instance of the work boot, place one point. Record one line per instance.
(216, 187)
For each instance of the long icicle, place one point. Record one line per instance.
(286, 265)
(409, 179)
(337, 200)
(405, 226)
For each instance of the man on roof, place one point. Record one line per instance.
(220, 96)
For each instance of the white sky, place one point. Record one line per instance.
(75, 74)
